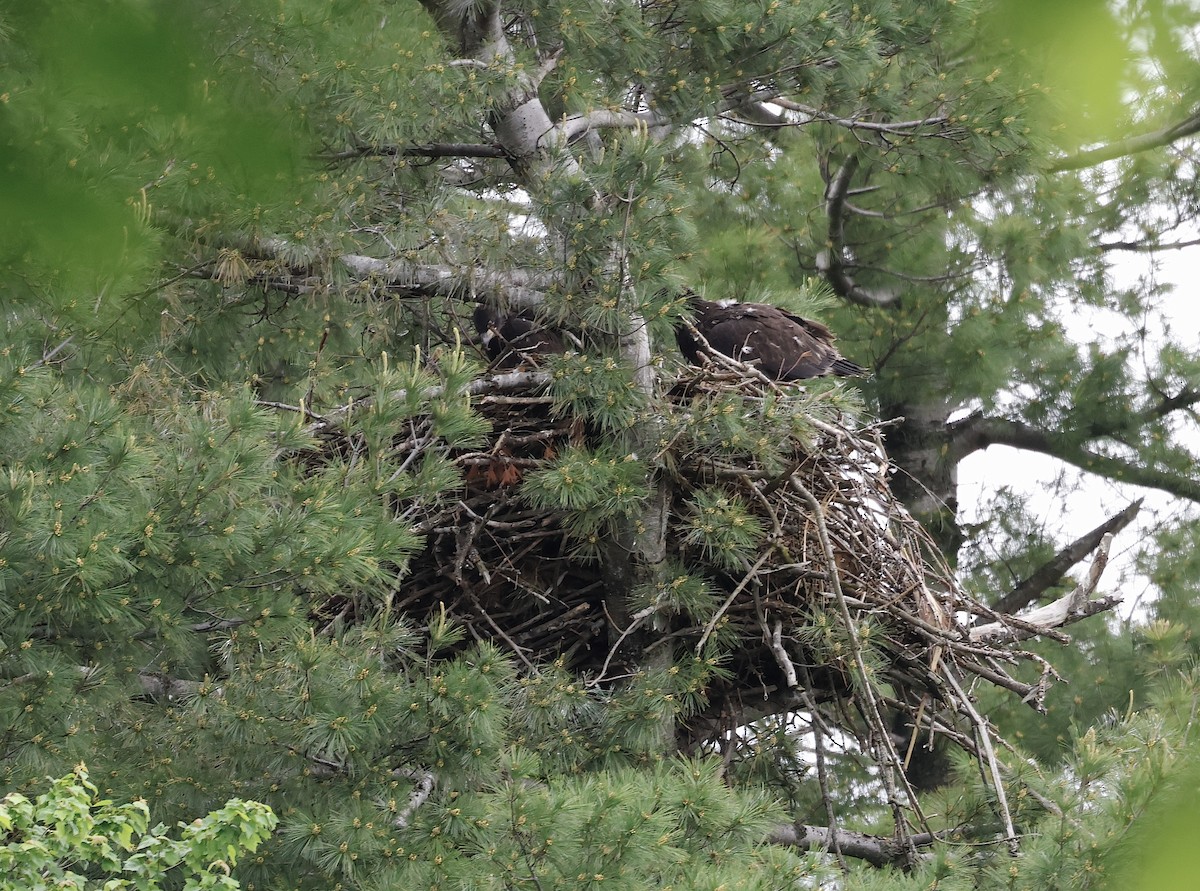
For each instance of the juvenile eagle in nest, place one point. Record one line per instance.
(511, 339)
(781, 345)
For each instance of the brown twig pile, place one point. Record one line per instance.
(847, 600)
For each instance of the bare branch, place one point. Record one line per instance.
(984, 734)
(874, 849)
(518, 287)
(548, 63)
(1050, 572)
(885, 215)
(576, 125)
(292, 270)
(423, 783)
(1069, 608)
(896, 127)
(49, 355)
(419, 150)
(1148, 247)
(1185, 398)
(453, 150)
(161, 686)
(978, 432)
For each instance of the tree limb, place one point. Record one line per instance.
(518, 287)
(161, 686)
(1148, 247)
(978, 432)
(1189, 126)
(421, 150)
(897, 127)
(1069, 608)
(576, 125)
(1052, 570)
(831, 262)
(874, 849)
(1185, 398)
(423, 783)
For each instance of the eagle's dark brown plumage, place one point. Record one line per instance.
(512, 339)
(781, 345)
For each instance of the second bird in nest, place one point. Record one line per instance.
(512, 339)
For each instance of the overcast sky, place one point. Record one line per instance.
(1070, 503)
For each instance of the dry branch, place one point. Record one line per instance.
(874, 849)
(1050, 572)
(1067, 609)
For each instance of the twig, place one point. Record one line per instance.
(879, 730)
(635, 622)
(424, 782)
(50, 354)
(985, 740)
(716, 617)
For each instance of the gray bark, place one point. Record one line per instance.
(926, 475)
(536, 147)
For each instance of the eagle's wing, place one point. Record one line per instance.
(783, 345)
(816, 329)
(832, 361)
(788, 347)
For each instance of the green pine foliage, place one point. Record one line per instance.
(722, 529)
(237, 268)
(130, 530)
(595, 489)
(597, 389)
(684, 831)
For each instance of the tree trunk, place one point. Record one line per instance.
(926, 481)
(926, 475)
(523, 129)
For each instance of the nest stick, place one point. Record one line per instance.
(893, 768)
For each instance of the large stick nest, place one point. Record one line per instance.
(848, 600)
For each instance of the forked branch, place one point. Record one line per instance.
(1067, 609)
(833, 262)
(1052, 570)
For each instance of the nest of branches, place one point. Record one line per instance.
(844, 607)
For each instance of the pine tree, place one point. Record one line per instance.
(273, 528)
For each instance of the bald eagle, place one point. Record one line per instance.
(782, 345)
(511, 339)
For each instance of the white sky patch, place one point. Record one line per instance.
(1069, 502)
